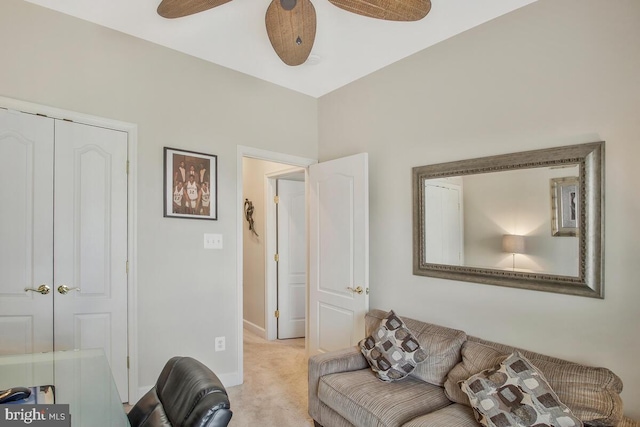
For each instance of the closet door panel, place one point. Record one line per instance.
(91, 243)
(26, 232)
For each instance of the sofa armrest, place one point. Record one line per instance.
(345, 360)
(628, 422)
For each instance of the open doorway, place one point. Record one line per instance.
(274, 249)
(253, 311)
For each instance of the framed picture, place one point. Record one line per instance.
(565, 206)
(190, 184)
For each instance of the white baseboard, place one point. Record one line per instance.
(254, 328)
(230, 379)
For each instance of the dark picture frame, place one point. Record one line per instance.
(190, 184)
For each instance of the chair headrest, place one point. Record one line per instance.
(190, 392)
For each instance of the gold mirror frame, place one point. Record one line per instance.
(590, 161)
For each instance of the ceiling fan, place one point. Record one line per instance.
(291, 24)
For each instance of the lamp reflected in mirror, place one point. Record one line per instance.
(513, 244)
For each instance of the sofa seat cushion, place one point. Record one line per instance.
(455, 415)
(365, 401)
(592, 394)
(441, 344)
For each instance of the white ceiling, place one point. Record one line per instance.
(347, 46)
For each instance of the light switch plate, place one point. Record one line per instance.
(212, 241)
(220, 344)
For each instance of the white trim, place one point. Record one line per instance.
(229, 380)
(270, 272)
(132, 309)
(252, 327)
(255, 153)
(132, 279)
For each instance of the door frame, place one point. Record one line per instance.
(270, 241)
(270, 156)
(132, 235)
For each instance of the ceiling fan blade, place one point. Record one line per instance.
(180, 8)
(291, 26)
(390, 10)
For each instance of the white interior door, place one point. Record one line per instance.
(26, 232)
(338, 252)
(91, 243)
(292, 266)
(443, 223)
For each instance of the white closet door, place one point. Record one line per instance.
(91, 243)
(26, 232)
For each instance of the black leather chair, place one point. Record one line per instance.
(187, 394)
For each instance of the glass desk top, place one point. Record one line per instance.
(82, 378)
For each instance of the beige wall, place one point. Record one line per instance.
(550, 74)
(516, 202)
(253, 180)
(186, 295)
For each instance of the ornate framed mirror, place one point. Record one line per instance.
(496, 220)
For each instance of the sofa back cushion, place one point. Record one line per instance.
(592, 394)
(441, 344)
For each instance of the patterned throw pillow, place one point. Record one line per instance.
(391, 350)
(515, 393)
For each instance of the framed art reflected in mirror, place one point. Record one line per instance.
(565, 206)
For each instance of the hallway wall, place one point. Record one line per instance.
(254, 173)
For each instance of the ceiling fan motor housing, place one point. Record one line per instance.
(288, 4)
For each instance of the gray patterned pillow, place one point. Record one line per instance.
(391, 350)
(515, 394)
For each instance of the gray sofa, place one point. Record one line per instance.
(344, 392)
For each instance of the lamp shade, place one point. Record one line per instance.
(513, 244)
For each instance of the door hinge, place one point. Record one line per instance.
(276, 257)
(127, 266)
(127, 362)
(276, 199)
(277, 314)
(127, 167)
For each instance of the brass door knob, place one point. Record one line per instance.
(357, 290)
(42, 289)
(64, 289)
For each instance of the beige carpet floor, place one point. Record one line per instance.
(274, 392)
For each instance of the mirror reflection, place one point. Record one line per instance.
(531, 220)
(503, 220)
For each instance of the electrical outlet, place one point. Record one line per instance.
(212, 241)
(219, 344)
